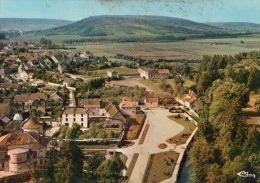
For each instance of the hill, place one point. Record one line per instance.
(238, 26)
(28, 24)
(135, 27)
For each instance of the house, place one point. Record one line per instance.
(57, 97)
(75, 115)
(38, 83)
(55, 60)
(144, 73)
(113, 112)
(24, 67)
(32, 101)
(151, 102)
(191, 101)
(24, 75)
(129, 105)
(15, 125)
(32, 125)
(8, 86)
(153, 74)
(10, 78)
(161, 74)
(84, 56)
(52, 121)
(112, 74)
(20, 152)
(5, 110)
(93, 106)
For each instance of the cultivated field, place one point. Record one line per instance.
(188, 49)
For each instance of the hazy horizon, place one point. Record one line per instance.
(204, 11)
(118, 15)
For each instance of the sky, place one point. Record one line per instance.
(196, 10)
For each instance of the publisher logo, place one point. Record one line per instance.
(245, 174)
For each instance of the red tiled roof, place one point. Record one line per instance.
(163, 71)
(74, 111)
(149, 100)
(111, 110)
(21, 98)
(19, 138)
(3, 109)
(32, 124)
(32, 96)
(190, 97)
(92, 103)
(9, 85)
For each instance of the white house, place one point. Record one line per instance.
(75, 115)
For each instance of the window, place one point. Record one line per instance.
(74, 115)
(66, 115)
(81, 119)
(66, 119)
(81, 115)
(67, 124)
(81, 124)
(74, 119)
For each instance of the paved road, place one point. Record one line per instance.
(161, 128)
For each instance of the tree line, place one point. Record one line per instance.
(225, 144)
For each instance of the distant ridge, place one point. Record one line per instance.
(135, 27)
(30, 24)
(237, 26)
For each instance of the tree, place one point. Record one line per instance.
(110, 170)
(94, 161)
(69, 167)
(74, 132)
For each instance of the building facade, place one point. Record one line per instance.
(75, 115)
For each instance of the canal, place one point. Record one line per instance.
(186, 172)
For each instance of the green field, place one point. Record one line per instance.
(188, 49)
(153, 84)
(103, 73)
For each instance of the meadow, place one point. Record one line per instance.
(191, 49)
(188, 49)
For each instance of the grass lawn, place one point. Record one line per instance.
(161, 166)
(132, 165)
(183, 136)
(135, 126)
(153, 84)
(144, 134)
(123, 158)
(188, 83)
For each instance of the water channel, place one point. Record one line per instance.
(186, 172)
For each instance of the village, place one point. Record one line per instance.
(40, 103)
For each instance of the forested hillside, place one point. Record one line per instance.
(225, 145)
(134, 28)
